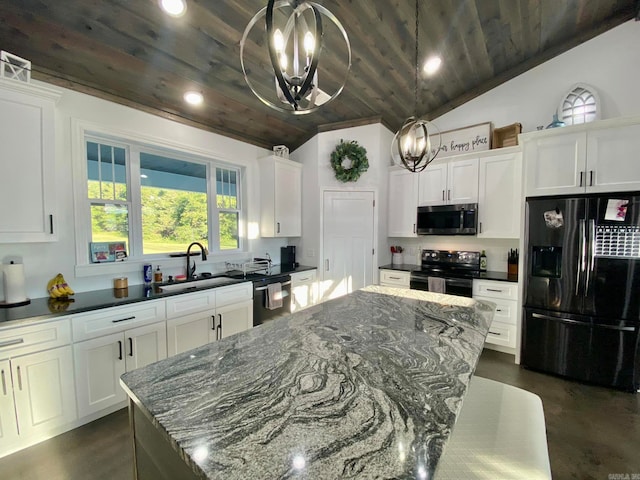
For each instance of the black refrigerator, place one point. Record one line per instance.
(582, 288)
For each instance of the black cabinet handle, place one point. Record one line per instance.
(494, 333)
(278, 227)
(219, 330)
(51, 224)
(581, 175)
(123, 319)
(130, 347)
(591, 178)
(493, 290)
(119, 350)
(443, 195)
(213, 323)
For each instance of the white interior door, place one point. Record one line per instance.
(347, 242)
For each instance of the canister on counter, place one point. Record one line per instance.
(120, 282)
(148, 273)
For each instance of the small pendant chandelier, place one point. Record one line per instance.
(418, 141)
(294, 36)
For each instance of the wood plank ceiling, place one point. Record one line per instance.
(130, 52)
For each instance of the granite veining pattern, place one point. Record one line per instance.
(364, 386)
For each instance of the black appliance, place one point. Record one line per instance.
(582, 288)
(448, 219)
(457, 269)
(288, 256)
(260, 311)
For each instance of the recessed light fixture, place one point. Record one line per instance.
(432, 65)
(193, 98)
(175, 8)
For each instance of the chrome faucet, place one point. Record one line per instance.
(192, 270)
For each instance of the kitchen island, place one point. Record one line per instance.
(366, 385)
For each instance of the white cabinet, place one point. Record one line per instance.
(210, 316)
(403, 203)
(36, 382)
(304, 290)
(281, 197)
(583, 159)
(110, 342)
(500, 196)
(504, 327)
(449, 182)
(27, 138)
(395, 278)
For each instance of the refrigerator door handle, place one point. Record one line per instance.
(583, 255)
(584, 324)
(592, 255)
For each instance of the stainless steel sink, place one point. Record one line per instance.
(206, 282)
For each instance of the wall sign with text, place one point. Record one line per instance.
(475, 138)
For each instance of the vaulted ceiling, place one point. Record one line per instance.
(130, 52)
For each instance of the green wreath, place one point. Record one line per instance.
(353, 152)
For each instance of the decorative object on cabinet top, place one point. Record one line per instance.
(506, 136)
(349, 161)
(474, 138)
(14, 67)
(580, 105)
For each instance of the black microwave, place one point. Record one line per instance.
(448, 219)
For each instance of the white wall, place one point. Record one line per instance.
(42, 261)
(609, 62)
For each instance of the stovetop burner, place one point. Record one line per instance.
(450, 262)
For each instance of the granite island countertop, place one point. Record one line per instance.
(362, 386)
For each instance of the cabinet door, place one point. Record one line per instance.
(8, 424)
(403, 198)
(235, 318)
(99, 365)
(188, 332)
(433, 185)
(27, 137)
(555, 165)
(288, 200)
(43, 388)
(462, 181)
(612, 159)
(500, 196)
(145, 345)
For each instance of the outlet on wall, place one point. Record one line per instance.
(311, 253)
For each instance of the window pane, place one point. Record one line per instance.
(106, 172)
(228, 230)
(174, 204)
(227, 188)
(109, 223)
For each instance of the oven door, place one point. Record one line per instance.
(463, 287)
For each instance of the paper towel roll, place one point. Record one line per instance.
(13, 282)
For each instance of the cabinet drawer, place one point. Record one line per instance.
(395, 278)
(234, 294)
(34, 338)
(303, 277)
(493, 289)
(191, 303)
(116, 319)
(506, 310)
(502, 334)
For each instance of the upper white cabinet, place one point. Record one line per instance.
(449, 182)
(403, 203)
(500, 196)
(27, 157)
(582, 159)
(281, 197)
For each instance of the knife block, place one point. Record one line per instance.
(512, 268)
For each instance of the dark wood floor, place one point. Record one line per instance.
(592, 432)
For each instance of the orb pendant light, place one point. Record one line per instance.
(418, 141)
(289, 37)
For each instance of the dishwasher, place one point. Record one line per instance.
(261, 313)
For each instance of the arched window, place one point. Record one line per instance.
(580, 105)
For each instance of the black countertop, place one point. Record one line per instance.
(46, 308)
(488, 275)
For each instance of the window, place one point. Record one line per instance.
(158, 202)
(580, 105)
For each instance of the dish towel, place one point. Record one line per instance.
(436, 285)
(274, 296)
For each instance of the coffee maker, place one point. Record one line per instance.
(288, 256)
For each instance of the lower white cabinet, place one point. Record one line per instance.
(37, 395)
(190, 331)
(234, 318)
(395, 278)
(304, 290)
(101, 361)
(504, 327)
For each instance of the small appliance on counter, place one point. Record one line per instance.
(14, 286)
(288, 256)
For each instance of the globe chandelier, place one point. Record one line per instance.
(418, 141)
(303, 73)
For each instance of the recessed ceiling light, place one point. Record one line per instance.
(175, 8)
(193, 98)
(432, 65)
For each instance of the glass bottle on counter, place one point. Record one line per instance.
(483, 261)
(157, 275)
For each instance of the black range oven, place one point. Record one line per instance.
(449, 272)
